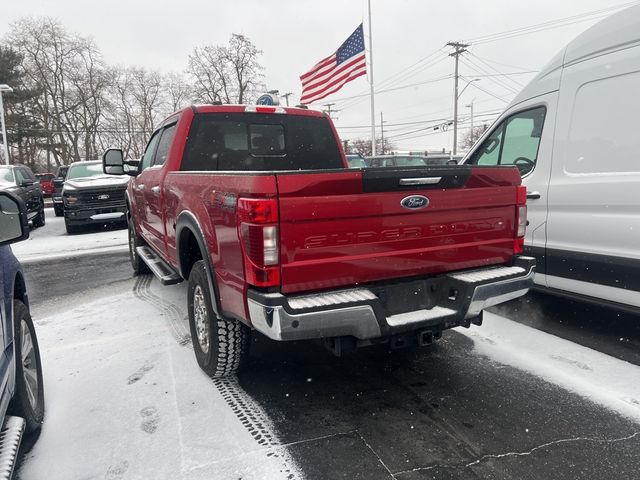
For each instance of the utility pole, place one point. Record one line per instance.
(328, 111)
(381, 134)
(286, 97)
(459, 49)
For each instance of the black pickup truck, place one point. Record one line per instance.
(20, 180)
(92, 197)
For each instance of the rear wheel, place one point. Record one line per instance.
(221, 345)
(135, 241)
(28, 400)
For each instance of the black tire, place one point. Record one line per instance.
(40, 219)
(71, 229)
(137, 264)
(225, 345)
(25, 403)
(58, 210)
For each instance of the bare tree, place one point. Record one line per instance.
(68, 71)
(179, 92)
(138, 102)
(226, 73)
(362, 146)
(471, 136)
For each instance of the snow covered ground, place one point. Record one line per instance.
(591, 374)
(52, 241)
(125, 399)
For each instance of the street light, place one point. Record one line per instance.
(471, 107)
(455, 111)
(468, 83)
(4, 89)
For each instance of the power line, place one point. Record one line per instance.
(359, 100)
(548, 25)
(488, 92)
(477, 69)
(433, 80)
(498, 72)
(430, 120)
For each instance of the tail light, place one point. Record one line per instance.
(521, 218)
(258, 230)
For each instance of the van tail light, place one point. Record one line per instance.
(258, 231)
(521, 218)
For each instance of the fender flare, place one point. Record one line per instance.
(186, 220)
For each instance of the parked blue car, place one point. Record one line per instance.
(22, 392)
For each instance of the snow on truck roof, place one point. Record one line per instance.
(620, 30)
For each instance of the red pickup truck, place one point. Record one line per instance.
(256, 207)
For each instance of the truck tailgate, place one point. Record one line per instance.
(350, 227)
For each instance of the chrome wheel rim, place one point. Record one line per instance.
(201, 317)
(29, 365)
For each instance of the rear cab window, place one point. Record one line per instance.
(260, 142)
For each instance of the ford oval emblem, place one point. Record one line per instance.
(103, 197)
(415, 202)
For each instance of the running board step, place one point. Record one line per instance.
(10, 438)
(161, 269)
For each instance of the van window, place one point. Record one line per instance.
(514, 141)
(603, 134)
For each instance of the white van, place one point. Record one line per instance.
(574, 132)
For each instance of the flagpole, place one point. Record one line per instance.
(373, 111)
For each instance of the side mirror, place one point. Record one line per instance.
(131, 167)
(14, 224)
(27, 183)
(113, 163)
(452, 162)
(58, 182)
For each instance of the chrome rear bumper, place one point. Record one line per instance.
(360, 313)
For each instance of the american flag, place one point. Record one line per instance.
(331, 73)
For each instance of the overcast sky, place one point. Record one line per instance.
(295, 34)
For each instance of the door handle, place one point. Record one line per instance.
(156, 189)
(140, 186)
(533, 195)
(420, 181)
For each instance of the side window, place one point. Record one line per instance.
(603, 135)
(28, 174)
(19, 176)
(148, 153)
(514, 142)
(163, 145)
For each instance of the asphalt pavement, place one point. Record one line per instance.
(440, 412)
